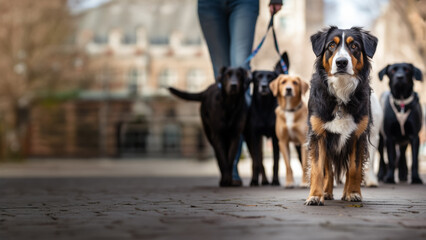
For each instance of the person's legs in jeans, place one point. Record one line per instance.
(242, 24)
(213, 16)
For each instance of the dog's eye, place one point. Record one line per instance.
(332, 46)
(295, 83)
(283, 82)
(353, 46)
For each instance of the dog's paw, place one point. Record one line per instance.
(416, 180)
(265, 183)
(304, 185)
(237, 183)
(328, 196)
(314, 201)
(371, 182)
(389, 179)
(254, 183)
(352, 197)
(289, 184)
(275, 183)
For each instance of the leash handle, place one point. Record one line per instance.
(256, 50)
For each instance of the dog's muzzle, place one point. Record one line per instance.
(288, 92)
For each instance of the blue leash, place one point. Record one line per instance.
(256, 50)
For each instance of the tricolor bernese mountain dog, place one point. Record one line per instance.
(339, 111)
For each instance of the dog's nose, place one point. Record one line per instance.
(233, 87)
(288, 91)
(264, 87)
(400, 77)
(341, 62)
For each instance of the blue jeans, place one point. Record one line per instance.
(228, 27)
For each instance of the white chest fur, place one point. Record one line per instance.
(289, 121)
(344, 125)
(342, 87)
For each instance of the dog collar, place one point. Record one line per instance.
(402, 115)
(219, 85)
(403, 102)
(294, 109)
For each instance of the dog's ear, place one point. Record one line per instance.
(383, 72)
(274, 86)
(278, 69)
(369, 41)
(318, 40)
(417, 73)
(304, 86)
(221, 74)
(247, 77)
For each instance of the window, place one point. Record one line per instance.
(167, 78)
(133, 81)
(195, 79)
(100, 39)
(129, 38)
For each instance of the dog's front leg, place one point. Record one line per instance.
(352, 190)
(304, 152)
(276, 152)
(415, 178)
(289, 172)
(231, 155)
(255, 148)
(390, 147)
(316, 195)
(226, 175)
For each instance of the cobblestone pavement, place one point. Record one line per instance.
(193, 207)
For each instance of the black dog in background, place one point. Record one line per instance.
(261, 122)
(223, 113)
(402, 122)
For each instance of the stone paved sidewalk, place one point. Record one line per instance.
(193, 207)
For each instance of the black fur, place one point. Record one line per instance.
(322, 103)
(261, 122)
(223, 113)
(401, 85)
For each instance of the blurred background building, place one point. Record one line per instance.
(126, 52)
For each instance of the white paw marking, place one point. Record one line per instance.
(314, 200)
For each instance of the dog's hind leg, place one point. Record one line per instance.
(276, 155)
(382, 165)
(328, 181)
(402, 164)
(370, 177)
(299, 153)
(304, 156)
(390, 147)
(415, 178)
(285, 151)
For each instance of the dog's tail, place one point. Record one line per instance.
(187, 96)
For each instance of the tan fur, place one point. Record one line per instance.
(353, 178)
(317, 125)
(298, 129)
(317, 172)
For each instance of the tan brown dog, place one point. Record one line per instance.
(291, 122)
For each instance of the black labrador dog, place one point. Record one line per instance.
(261, 122)
(402, 122)
(223, 113)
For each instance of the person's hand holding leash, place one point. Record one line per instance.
(275, 6)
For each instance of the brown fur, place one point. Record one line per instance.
(296, 132)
